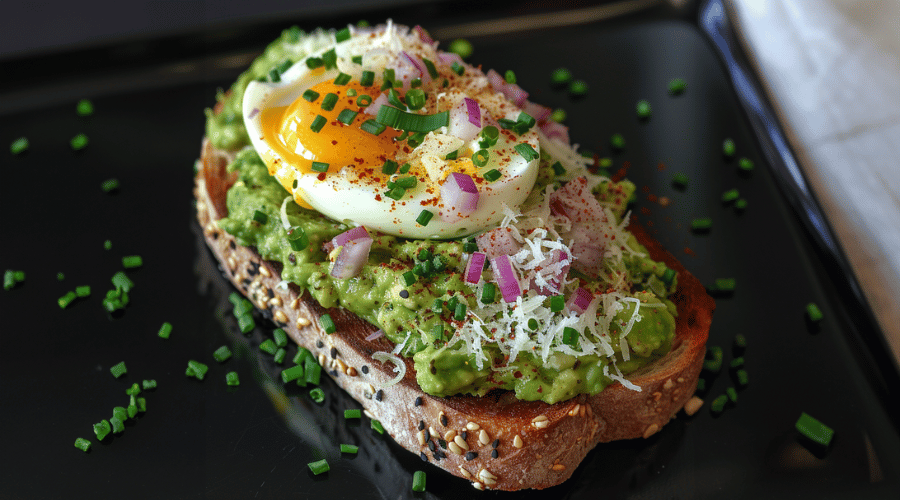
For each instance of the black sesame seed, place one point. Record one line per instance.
(292, 258)
(334, 373)
(465, 435)
(427, 435)
(496, 443)
(379, 395)
(444, 420)
(232, 244)
(437, 455)
(247, 281)
(404, 294)
(442, 443)
(365, 369)
(431, 445)
(421, 425)
(471, 455)
(253, 270)
(319, 344)
(270, 293)
(334, 352)
(419, 401)
(423, 456)
(494, 454)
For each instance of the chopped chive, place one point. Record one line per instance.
(533, 324)
(342, 35)
(312, 371)
(118, 369)
(357, 60)
(60, 276)
(560, 76)
(377, 426)
(605, 162)
(342, 79)
(318, 122)
(327, 323)
(222, 354)
(274, 75)
(389, 167)
(728, 147)
(415, 98)
(739, 343)
(492, 175)
(372, 126)
(814, 429)
(742, 378)
(317, 394)
(165, 330)
(9, 280)
(132, 408)
(429, 65)
(246, 324)
(280, 354)
(394, 99)
(134, 390)
(488, 293)
(84, 108)
(329, 58)
(418, 483)
(196, 369)
(367, 78)
(314, 62)
(329, 101)
(703, 224)
(415, 83)
(353, 413)
(319, 466)
(260, 216)
(740, 205)
(643, 109)
(730, 195)
(489, 136)
(349, 448)
(470, 246)
(402, 120)
(268, 346)
(121, 413)
(298, 239)
(82, 291)
(364, 100)
(83, 444)
(101, 429)
(526, 151)
(292, 373)
(731, 392)
(724, 285)
(424, 254)
(318, 166)
(719, 403)
(437, 331)
(109, 185)
(132, 261)
(557, 303)
(558, 115)
(677, 86)
(79, 142)
(578, 88)
(19, 146)
(405, 168)
(107, 245)
(424, 217)
(232, 379)
(148, 384)
(408, 278)
(462, 47)
(280, 336)
(509, 76)
(617, 141)
(284, 66)
(347, 116)
(302, 354)
(458, 68)
(310, 95)
(680, 180)
(117, 425)
(452, 155)
(745, 164)
(736, 362)
(570, 337)
(395, 193)
(480, 158)
(813, 312)
(701, 385)
(714, 364)
(459, 312)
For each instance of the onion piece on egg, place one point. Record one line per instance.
(465, 120)
(474, 267)
(372, 109)
(459, 196)
(506, 279)
(355, 245)
(579, 301)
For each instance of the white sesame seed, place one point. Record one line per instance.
(276, 302)
(517, 441)
(540, 424)
(539, 418)
(265, 271)
(472, 426)
(484, 438)
(455, 448)
(369, 414)
(486, 474)
(449, 435)
(432, 431)
(461, 442)
(478, 486)
(465, 473)
(650, 430)
(421, 436)
(574, 410)
(280, 316)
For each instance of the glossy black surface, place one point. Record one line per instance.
(203, 439)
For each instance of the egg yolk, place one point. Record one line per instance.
(289, 130)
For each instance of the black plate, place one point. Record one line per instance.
(203, 439)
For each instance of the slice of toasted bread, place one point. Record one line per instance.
(496, 441)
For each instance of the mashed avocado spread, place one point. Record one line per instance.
(422, 318)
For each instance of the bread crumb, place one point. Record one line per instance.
(693, 405)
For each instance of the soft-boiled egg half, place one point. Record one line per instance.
(382, 130)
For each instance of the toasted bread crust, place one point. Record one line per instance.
(538, 445)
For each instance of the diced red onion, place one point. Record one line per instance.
(419, 65)
(448, 58)
(423, 35)
(465, 120)
(538, 112)
(579, 301)
(512, 91)
(474, 267)
(498, 241)
(372, 109)
(459, 196)
(375, 335)
(575, 201)
(554, 129)
(253, 113)
(354, 253)
(506, 279)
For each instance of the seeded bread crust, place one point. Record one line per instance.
(496, 441)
